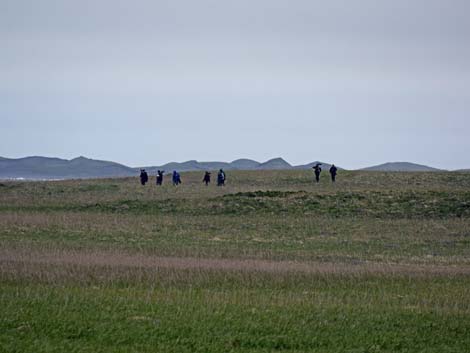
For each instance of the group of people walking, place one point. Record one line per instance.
(176, 178)
(220, 178)
(317, 171)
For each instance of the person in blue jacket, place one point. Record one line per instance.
(176, 178)
(221, 178)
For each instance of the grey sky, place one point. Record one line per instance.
(147, 82)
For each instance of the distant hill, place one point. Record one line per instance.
(324, 166)
(81, 167)
(38, 167)
(274, 164)
(239, 164)
(56, 168)
(244, 164)
(187, 166)
(401, 167)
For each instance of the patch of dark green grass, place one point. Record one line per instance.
(344, 204)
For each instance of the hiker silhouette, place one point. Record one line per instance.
(317, 170)
(221, 178)
(160, 177)
(333, 172)
(207, 178)
(143, 177)
(176, 178)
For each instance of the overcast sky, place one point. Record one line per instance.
(147, 82)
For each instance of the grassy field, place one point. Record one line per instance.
(378, 262)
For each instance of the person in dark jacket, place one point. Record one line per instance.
(176, 178)
(333, 172)
(207, 178)
(143, 177)
(317, 170)
(160, 177)
(221, 178)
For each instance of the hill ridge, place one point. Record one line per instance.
(40, 167)
(401, 167)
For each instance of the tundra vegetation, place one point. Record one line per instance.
(378, 262)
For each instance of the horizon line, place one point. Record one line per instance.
(234, 160)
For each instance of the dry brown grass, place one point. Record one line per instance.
(30, 262)
(318, 239)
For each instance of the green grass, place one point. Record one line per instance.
(380, 262)
(216, 315)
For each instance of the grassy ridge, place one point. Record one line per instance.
(366, 194)
(408, 204)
